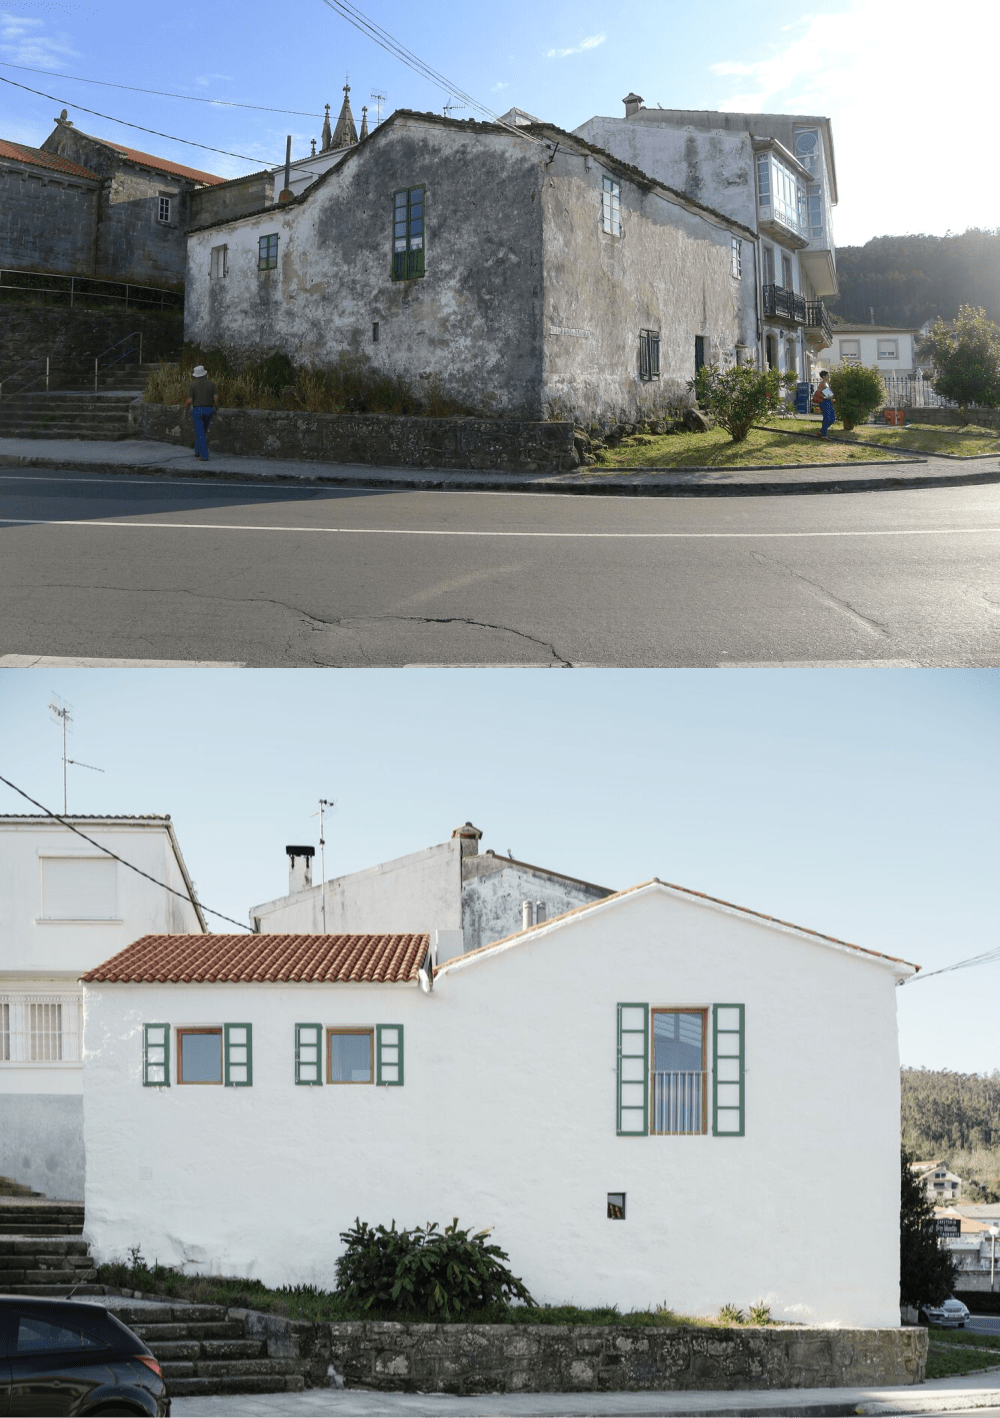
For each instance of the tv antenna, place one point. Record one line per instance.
(324, 803)
(62, 713)
(379, 101)
(449, 106)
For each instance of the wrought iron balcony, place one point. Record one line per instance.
(784, 304)
(816, 316)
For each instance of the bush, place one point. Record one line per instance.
(858, 391)
(966, 356)
(737, 397)
(439, 1273)
(926, 1269)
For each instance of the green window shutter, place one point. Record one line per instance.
(156, 1055)
(633, 1070)
(728, 1067)
(389, 1055)
(308, 1053)
(238, 1055)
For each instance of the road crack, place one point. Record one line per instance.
(874, 627)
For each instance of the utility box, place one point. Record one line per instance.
(803, 393)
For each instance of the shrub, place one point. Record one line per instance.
(440, 1273)
(858, 391)
(760, 1313)
(731, 1314)
(926, 1269)
(737, 397)
(966, 357)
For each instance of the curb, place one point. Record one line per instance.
(527, 483)
(892, 451)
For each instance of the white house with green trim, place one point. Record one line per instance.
(611, 1090)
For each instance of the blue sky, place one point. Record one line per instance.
(893, 79)
(859, 803)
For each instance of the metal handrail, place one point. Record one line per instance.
(37, 360)
(76, 289)
(134, 335)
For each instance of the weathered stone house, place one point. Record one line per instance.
(81, 205)
(521, 271)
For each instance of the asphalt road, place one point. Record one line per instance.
(145, 568)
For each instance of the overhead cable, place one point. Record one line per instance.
(188, 896)
(989, 957)
(70, 103)
(160, 93)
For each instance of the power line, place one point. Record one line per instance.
(160, 93)
(184, 896)
(71, 103)
(989, 957)
(382, 37)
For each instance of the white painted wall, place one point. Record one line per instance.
(305, 171)
(868, 338)
(507, 1118)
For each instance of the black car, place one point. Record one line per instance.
(64, 1356)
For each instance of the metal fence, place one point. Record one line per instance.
(89, 291)
(677, 1102)
(914, 391)
(39, 1028)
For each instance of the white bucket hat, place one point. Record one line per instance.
(199, 371)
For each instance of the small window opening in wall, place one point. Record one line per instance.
(649, 354)
(737, 258)
(611, 198)
(699, 352)
(374, 332)
(616, 1206)
(164, 209)
(267, 253)
(220, 262)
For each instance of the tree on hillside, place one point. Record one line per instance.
(926, 1269)
(966, 356)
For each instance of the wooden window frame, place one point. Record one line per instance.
(704, 1010)
(737, 258)
(382, 1066)
(163, 1082)
(351, 1082)
(228, 1064)
(716, 1081)
(264, 261)
(168, 199)
(410, 264)
(630, 1108)
(302, 1037)
(201, 1082)
(222, 262)
(611, 206)
(649, 354)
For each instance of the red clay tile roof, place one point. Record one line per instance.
(261, 959)
(161, 164)
(39, 158)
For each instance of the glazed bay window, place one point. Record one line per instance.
(781, 197)
(611, 207)
(267, 252)
(408, 234)
(666, 1084)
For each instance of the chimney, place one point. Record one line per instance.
(539, 912)
(469, 837)
(285, 195)
(632, 104)
(527, 915)
(300, 868)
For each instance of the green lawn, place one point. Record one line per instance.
(965, 440)
(961, 1353)
(716, 449)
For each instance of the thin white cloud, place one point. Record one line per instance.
(499, 87)
(24, 41)
(206, 79)
(590, 43)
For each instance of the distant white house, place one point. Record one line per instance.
(610, 1090)
(66, 906)
(941, 1185)
(469, 897)
(890, 350)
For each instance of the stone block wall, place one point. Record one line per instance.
(70, 336)
(388, 440)
(466, 1359)
(951, 418)
(47, 223)
(231, 199)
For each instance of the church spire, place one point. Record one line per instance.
(326, 142)
(364, 122)
(345, 133)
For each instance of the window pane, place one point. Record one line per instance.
(350, 1058)
(677, 1041)
(38, 1336)
(201, 1058)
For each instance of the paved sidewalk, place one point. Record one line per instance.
(142, 456)
(938, 1396)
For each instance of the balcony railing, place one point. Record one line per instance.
(817, 317)
(678, 1102)
(39, 1029)
(785, 304)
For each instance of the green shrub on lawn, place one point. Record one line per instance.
(858, 390)
(439, 1273)
(738, 397)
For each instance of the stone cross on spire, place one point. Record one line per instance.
(345, 133)
(364, 121)
(326, 141)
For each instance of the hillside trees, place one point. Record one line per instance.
(909, 279)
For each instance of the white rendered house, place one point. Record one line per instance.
(609, 1090)
(66, 906)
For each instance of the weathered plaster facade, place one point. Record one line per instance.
(522, 308)
(452, 887)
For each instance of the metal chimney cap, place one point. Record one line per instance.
(301, 851)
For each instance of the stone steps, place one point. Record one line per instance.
(202, 1351)
(22, 1219)
(67, 415)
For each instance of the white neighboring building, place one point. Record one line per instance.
(471, 897)
(609, 1090)
(888, 349)
(66, 905)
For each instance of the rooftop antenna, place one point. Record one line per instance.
(449, 106)
(324, 803)
(62, 713)
(379, 101)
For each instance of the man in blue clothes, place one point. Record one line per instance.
(203, 401)
(823, 397)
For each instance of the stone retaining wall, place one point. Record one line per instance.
(466, 1359)
(73, 334)
(985, 418)
(389, 440)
